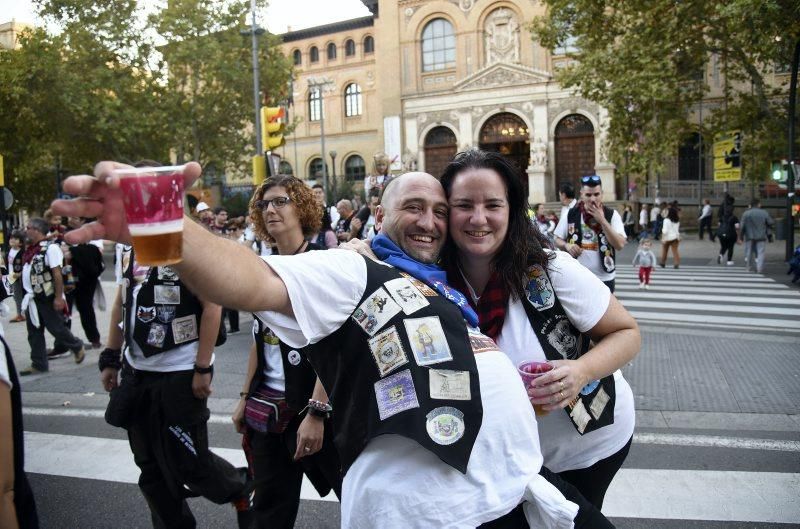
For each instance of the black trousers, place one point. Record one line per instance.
(54, 323)
(82, 298)
(705, 224)
(233, 318)
(592, 482)
(168, 436)
(611, 284)
(726, 245)
(278, 478)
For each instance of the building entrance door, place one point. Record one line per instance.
(440, 147)
(574, 150)
(507, 134)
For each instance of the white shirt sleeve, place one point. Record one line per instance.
(54, 256)
(584, 297)
(4, 375)
(561, 227)
(324, 288)
(617, 225)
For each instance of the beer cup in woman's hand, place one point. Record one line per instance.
(529, 371)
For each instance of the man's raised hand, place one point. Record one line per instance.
(100, 196)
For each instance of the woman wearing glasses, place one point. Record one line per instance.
(283, 408)
(542, 305)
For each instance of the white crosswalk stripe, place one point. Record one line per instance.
(710, 296)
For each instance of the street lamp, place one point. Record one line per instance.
(319, 86)
(333, 160)
(255, 31)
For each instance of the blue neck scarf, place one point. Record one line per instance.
(433, 276)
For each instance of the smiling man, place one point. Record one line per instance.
(429, 431)
(592, 233)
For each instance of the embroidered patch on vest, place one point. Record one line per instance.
(448, 384)
(445, 425)
(539, 290)
(479, 342)
(395, 393)
(609, 264)
(269, 337)
(166, 273)
(570, 228)
(294, 357)
(166, 313)
(580, 416)
(588, 388)
(167, 294)
(558, 334)
(156, 335)
(419, 285)
(387, 350)
(599, 403)
(427, 339)
(184, 329)
(145, 314)
(406, 295)
(376, 311)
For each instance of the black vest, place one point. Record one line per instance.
(167, 313)
(16, 263)
(41, 276)
(593, 408)
(608, 256)
(396, 367)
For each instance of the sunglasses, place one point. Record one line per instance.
(591, 180)
(277, 203)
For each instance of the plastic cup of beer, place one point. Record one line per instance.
(529, 371)
(153, 198)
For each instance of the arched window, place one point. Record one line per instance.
(297, 57)
(313, 54)
(349, 48)
(354, 168)
(315, 168)
(331, 51)
(285, 168)
(369, 44)
(314, 105)
(352, 100)
(438, 46)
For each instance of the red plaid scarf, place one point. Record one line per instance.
(588, 219)
(491, 307)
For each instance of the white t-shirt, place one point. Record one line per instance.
(5, 378)
(180, 358)
(585, 299)
(273, 363)
(654, 213)
(643, 218)
(565, 209)
(590, 257)
(394, 482)
(53, 258)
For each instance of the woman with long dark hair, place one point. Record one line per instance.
(283, 408)
(538, 304)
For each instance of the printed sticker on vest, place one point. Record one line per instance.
(388, 351)
(269, 337)
(445, 425)
(184, 329)
(559, 335)
(608, 261)
(588, 388)
(599, 403)
(580, 416)
(376, 311)
(166, 313)
(450, 385)
(167, 294)
(419, 285)
(395, 393)
(540, 292)
(145, 314)
(166, 273)
(427, 339)
(406, 295)
(479, 342)
(570, 228)
(294, 357)
(156, 335)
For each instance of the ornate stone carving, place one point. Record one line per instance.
(502, 75)
(477, 112)
(422, 118)
(409, 160)
(538, 153)
(501, 37)
(464, 5)
(455, 115)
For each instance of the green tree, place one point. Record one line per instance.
(644, 60)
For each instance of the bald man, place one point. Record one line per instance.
(429, 431)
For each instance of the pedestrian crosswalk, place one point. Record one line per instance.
(715, 297)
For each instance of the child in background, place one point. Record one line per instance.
(645, 259)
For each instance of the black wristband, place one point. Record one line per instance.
(318, 413)
(204, 370)
(109, 358)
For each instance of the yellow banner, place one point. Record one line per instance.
(728, 157)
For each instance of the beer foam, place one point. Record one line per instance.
(156, 228)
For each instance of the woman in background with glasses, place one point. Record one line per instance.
(283, 409)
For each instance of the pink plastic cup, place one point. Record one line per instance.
(529, 371)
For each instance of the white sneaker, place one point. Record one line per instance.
(730, 263)
(647, 287)
(641, 286)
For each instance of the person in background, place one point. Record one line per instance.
(566, 195)
(756, 223)
(219, 225)
(671, 238)
(56, 229)
(16, 249)
(363, 225)
(727, 231)
(628, 221)
(644, 219)
(705, 220)
(325, 238)
(655, 220)
(645, 259)
(87, 265)
(346, 214)
(204, 213)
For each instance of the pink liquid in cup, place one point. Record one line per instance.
(529, 371)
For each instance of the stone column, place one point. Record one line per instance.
(605, 169)
(540, 181)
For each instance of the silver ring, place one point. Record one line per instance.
(307, 449)
(562, 394)
(561, 384)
